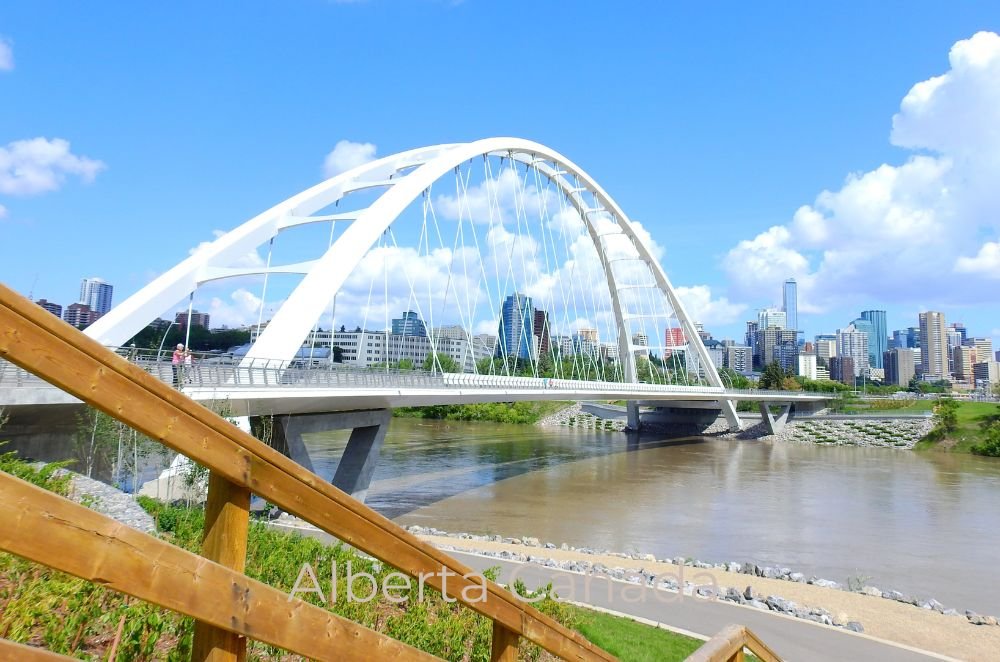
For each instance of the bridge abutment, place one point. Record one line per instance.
(357, 464)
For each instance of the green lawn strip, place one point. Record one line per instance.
(630, 640)
(493, 412)
(968, 432)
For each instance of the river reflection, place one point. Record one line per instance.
(924, 523)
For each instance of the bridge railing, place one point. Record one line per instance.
(209, 370)
(228, 607)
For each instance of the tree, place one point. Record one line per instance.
(947, 415)
(773, 377)
(338, 353)
(996, 390)
(444, 362)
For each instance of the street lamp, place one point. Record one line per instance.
(159, 352)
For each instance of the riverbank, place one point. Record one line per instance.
(969, 431)
(526, 413)
(925, 625)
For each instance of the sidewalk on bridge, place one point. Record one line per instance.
(892, 621)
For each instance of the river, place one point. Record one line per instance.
(922, 523)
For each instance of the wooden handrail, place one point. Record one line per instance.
(44, 345)
(41, 525)
(728, 645)
(10, 650)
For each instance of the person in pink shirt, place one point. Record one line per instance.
(177, 362)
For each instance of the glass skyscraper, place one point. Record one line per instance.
(878, 335)
(517, 322)
(790, 304)
(409, 324)
(97, 294)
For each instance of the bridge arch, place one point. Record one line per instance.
(405, 176)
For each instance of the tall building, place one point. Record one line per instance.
(738, 358)
(409, 324)
(987, 371)
(769, 317)
(516, 331)
(197, 319)
(53, 308)
(913, 337)
(807, 366)
(79, 315)
(961, 361)
(780, 345)
(934, 352)
(640, 345)
(750, 340)
(826, 349)
(540, 329)
(853, 342)
(899, 366)
(97, 294)
(960, 329)
(983, 347)
(878, 339)
(673, 339)
(842, 370)
(790, 303)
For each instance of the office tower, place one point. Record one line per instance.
(878, 339)
(962, 361)
(899, 366)
(771, 317)
(826, 349)
(97, 294)
(986, 372)
(961, 330)
(983, 347)
(853, 343)
(53, 308)
(934, 352)
(517, 321)
(640, 345)
(409, 324)
(750, 340)
(790, 303)
(540, 329)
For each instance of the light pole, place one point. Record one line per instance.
(159, 352)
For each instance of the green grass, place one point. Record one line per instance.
(969, 431)
(889, 407)
(493, 412)
(632, 641)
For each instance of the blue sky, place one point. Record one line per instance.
(711, 123)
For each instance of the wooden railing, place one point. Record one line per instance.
(229, 608)
(729, 644)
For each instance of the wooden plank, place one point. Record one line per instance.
(759, 648)
(40, 525)
(227, 523)
(503, 647)
(728, 645)
(13, 651)
(46, 346)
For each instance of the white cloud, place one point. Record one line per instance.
(346, 155)
(249, 259)
(6, 55)
(986, 263)
(38, 165)
(3, 211)
(894, 232)
(703, 308)
(242, 308)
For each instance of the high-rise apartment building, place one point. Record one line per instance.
(878, 338)
(807, 366)
(673, 339)
(197, 319)
(53, 308)
(899, 366)
(79, 315)
(826, 349)
(983, 347)
(934, 352)
(516, 332)
(853, 342)
(97, 294)
(540, 329)
(987, 372)
(738, 358)
(790, 303)
(842, 370)
(409, 324)
(640, 345)
(771, 317)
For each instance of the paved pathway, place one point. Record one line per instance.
(793, 639)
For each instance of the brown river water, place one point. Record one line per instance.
(927, 524)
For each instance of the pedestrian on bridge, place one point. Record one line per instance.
(177, 363)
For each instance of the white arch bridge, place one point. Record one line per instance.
(499, 265)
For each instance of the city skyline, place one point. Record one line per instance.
(791, 223)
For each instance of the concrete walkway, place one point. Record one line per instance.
(792, 638)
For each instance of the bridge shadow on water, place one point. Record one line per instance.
(424, 462)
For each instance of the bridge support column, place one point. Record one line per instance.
(632, 422)
(354, 472)
(775, 424)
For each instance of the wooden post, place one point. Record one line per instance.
(504, 648)
(227, 521)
